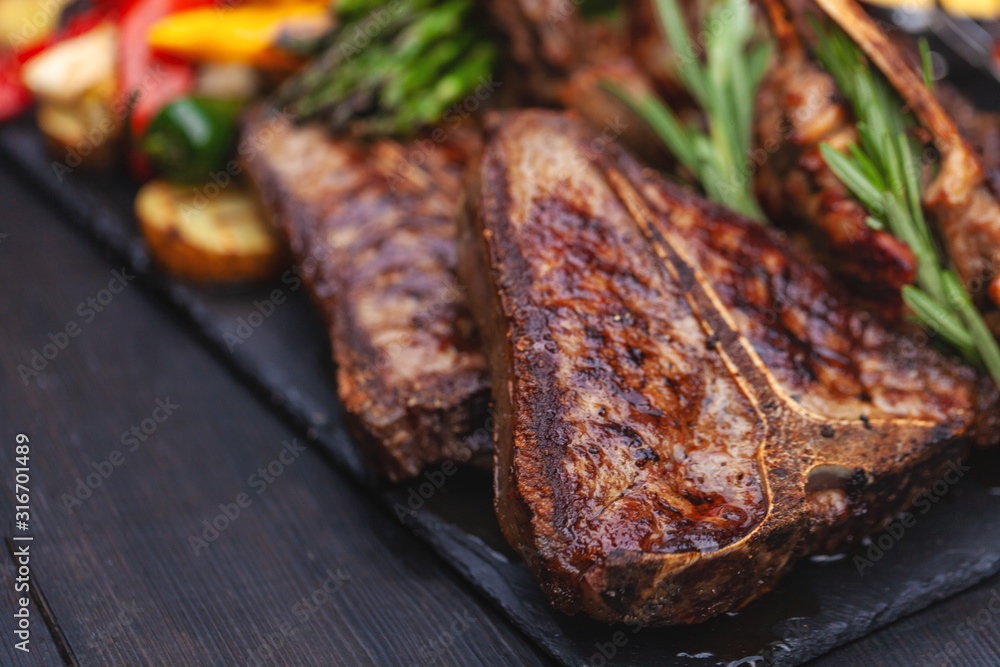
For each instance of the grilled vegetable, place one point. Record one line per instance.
(74, 82)
(232, 81)
(15, 98)
(986, 10)
(389, 69)
(975, 9)
(28, 23)
(152, 80)
(208, 234)
(251, 34)
(192, 137)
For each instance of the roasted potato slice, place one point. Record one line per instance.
(223, 238)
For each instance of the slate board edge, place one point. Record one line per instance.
(472, 559)
(922, 595)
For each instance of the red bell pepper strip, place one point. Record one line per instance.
(15, 99)
(153, 79)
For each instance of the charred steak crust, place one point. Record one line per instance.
(685, 402)
(372, 231)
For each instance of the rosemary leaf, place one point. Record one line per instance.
(927, 64)
(674, 26)
(854, 177)
(874, 223)
(982, 337)
(867, 166)
(940, 319)
(425, 56)
(912, 174)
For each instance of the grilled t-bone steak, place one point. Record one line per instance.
(372, 230)
(686, 401)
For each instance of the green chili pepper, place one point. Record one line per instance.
(192, 137)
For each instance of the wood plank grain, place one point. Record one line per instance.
(963, 631)
(310, 571)
(42, 649)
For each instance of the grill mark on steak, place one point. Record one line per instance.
(573, 260)
(373, 235)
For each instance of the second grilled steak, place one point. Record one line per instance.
(372, 230)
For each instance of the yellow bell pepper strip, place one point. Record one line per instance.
(974, 9)
(250, 34)
(985, 10)
(914, 5)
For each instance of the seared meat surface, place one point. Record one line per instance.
(980, 128)
(686, 402)
(372, 230)
(798, 109)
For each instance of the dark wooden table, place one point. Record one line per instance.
(310, 571)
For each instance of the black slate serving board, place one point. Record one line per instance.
(823, 603)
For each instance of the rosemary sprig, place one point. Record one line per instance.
(881, 171)
(723, 85)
